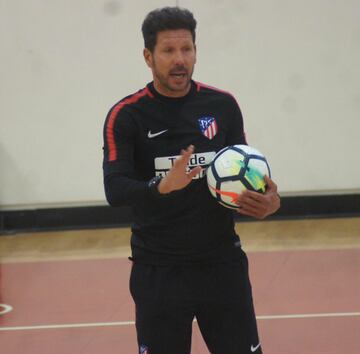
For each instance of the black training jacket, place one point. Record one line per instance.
(143, 135)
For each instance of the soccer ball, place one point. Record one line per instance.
(234, 169)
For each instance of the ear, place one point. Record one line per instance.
(148, 57)
(195, 54)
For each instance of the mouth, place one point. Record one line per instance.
(178, 74)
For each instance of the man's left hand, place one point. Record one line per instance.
(259, 205)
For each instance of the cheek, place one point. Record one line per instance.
(191, 59)
(164, 67)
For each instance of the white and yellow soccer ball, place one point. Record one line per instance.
(234, 169)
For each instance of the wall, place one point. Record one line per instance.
(293, 66)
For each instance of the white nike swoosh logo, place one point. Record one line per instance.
(254, 349)
(153, 135)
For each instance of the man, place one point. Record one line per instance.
(187, 259)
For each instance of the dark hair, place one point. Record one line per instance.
(166, 18)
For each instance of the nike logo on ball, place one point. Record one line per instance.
(153, 135)
(254, 349)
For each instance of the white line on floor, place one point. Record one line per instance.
(309, 315)
(131, 323)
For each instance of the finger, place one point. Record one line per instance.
(251, 204)
(253, 200)
(190, 148)
(271, 185)
(195, 171)
(248, 212)
(251, 195)
(244, 212)
(188, 151)
(255, 212)
(253, 207)
(185, 156)
(182, 160)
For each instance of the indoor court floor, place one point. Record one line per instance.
(66, 292)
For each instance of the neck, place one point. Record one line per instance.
(171, 93)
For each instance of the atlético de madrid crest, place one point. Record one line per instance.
(208, 126)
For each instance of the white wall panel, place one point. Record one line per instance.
(293, 66)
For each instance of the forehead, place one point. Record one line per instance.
(173, 36)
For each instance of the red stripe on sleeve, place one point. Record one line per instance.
(200, 85)
(110, 134)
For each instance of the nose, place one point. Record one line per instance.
(179, 58)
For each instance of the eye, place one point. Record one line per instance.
(188, 49)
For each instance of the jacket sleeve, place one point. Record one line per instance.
(121, 185)
(236, 134)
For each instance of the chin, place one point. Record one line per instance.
(180, 87)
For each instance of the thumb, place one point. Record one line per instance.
(271, 186)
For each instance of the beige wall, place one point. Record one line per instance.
(293, 66)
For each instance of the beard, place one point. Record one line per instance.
(176, 81)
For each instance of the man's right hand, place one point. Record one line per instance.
(178, 177)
